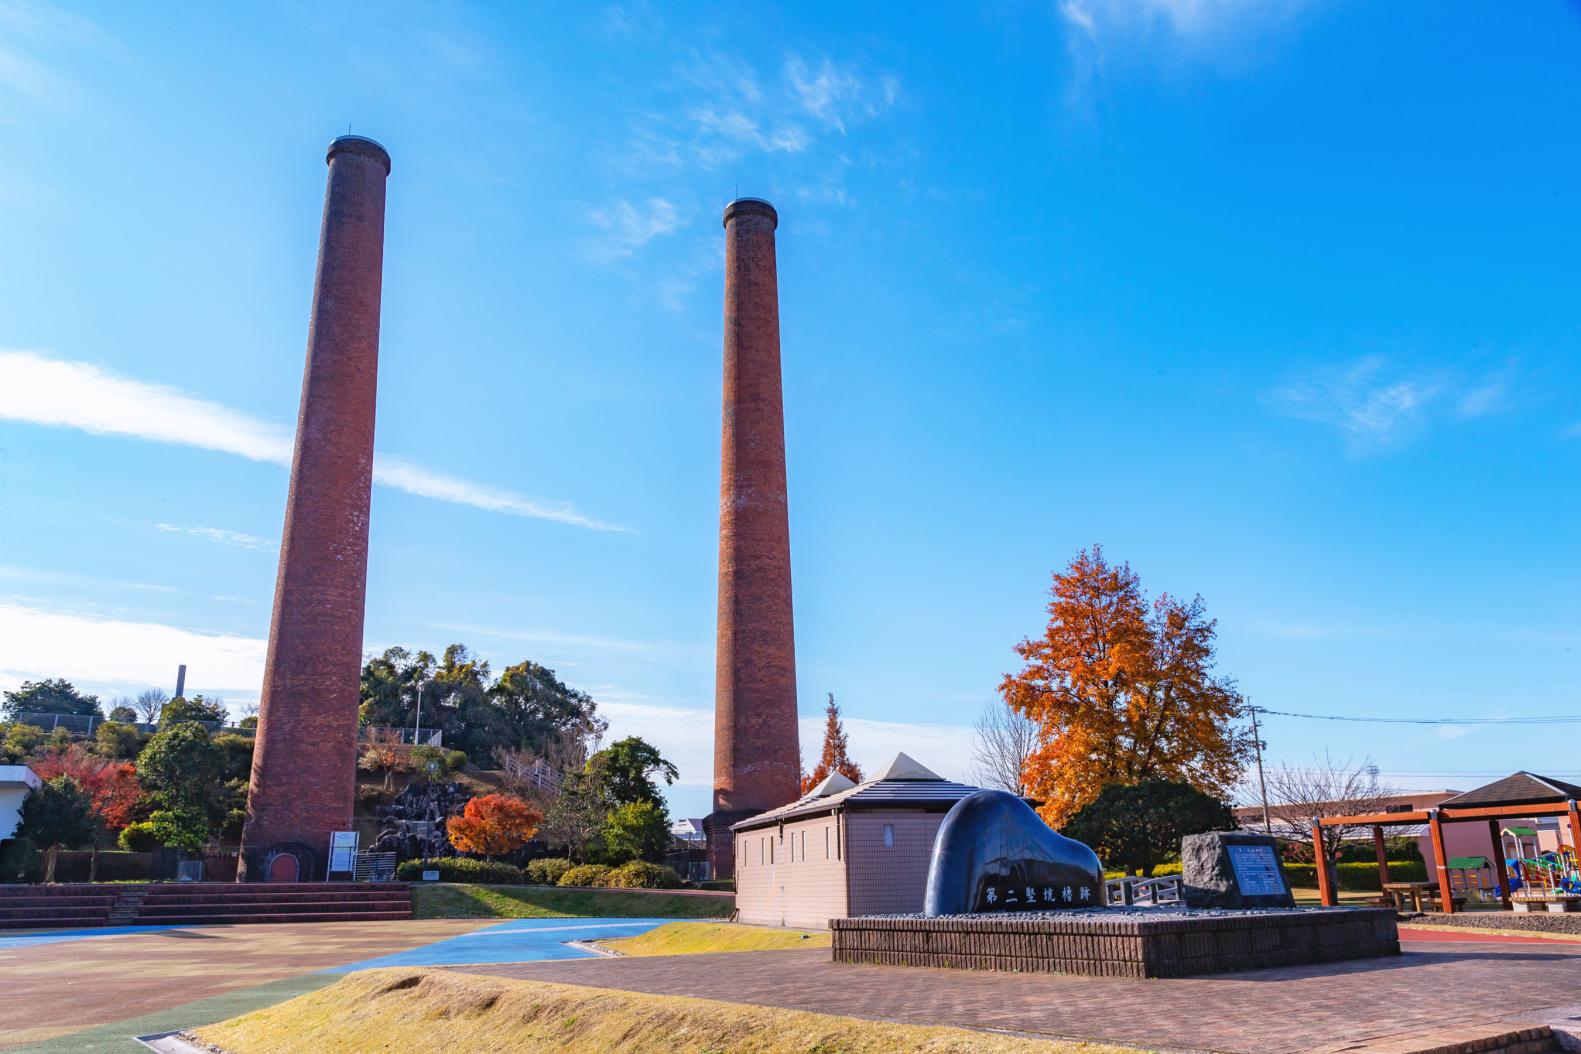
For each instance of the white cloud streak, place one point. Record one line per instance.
(126, 655)
(218, 534)
(58, 393)
(1371, 406)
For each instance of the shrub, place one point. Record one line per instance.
(427, 762)
(1359, 876)
(639, 874)
(138, 837)
(455, 760)
(461, 869)
(723, 885)
(548, 871)
(585, 875)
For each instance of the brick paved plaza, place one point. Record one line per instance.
(1434, 987)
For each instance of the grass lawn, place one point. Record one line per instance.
(446, 900)
(403, 1009)
(693, 938)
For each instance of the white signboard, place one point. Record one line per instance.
(1256, 870)
(343, 851)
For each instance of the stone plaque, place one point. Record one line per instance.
(1256, 870)
(1234, 869)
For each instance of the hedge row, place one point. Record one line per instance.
(1356, 876)
(462, 869)
(637, 874)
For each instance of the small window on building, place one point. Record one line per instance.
(826, 843)
(889, 836)
(804, 845)
(763, 850)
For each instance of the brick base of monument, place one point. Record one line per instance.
(1114, 943)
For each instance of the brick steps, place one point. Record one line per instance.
(328, 916)
(201, 903)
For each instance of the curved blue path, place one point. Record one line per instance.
(516, 941)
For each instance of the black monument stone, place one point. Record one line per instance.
(994, 854)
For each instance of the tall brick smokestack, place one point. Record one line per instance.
(757, 760)
(304, 761)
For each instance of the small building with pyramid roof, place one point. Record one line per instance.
(843, 848)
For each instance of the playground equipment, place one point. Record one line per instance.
(1551, 877)
(1472, 876)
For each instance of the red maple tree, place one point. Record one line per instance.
(112, 785)
(834, 757)
(493, 824)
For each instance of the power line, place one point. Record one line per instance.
(1422, 691)
(1556, 719)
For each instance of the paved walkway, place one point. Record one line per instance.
(54, 984)
(1310, 1008)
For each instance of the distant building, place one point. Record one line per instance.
(1463, 840)
(843, 849)
(15, 782)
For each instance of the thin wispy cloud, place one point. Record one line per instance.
(654, 649)
(1372, 405)
(1376, 404)
(58, 393)
(837, 95)
(218, 534)
(627, 227)
(39, 576)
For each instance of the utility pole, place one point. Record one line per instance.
(417, 727)
(1262, 784)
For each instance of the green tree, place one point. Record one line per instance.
(123, 711)
(182, 827)
(118, 740)
(18, 742)
(55, 696)
(183, 770)
(57, 813)
(625, 770)
(1138, 826)
(575, 817)
(638, 830)
(538, 709)
(197, 708)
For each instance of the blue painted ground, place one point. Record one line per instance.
(519, 940)
(28, 940)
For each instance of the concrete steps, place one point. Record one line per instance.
(201, 903)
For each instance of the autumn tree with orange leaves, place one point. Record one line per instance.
(492, 825)
(834, 757)
(1123, 691)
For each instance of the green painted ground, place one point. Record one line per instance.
(469, 901)
(117, 1037)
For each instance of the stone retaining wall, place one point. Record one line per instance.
(1156, 943)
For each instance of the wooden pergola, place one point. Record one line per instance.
(1542, 797)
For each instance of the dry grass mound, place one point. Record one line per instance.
(695, 938)
(440, 1011)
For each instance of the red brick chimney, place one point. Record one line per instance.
(304, 761)
(757, 759)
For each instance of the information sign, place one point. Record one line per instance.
(1256, 870)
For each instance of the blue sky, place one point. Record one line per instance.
(1277, 301)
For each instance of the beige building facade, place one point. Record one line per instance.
(843, 849)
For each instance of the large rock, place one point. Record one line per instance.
(1234, 869)
(994, 854)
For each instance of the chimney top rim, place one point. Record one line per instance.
(751, 207)
(359, 144)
